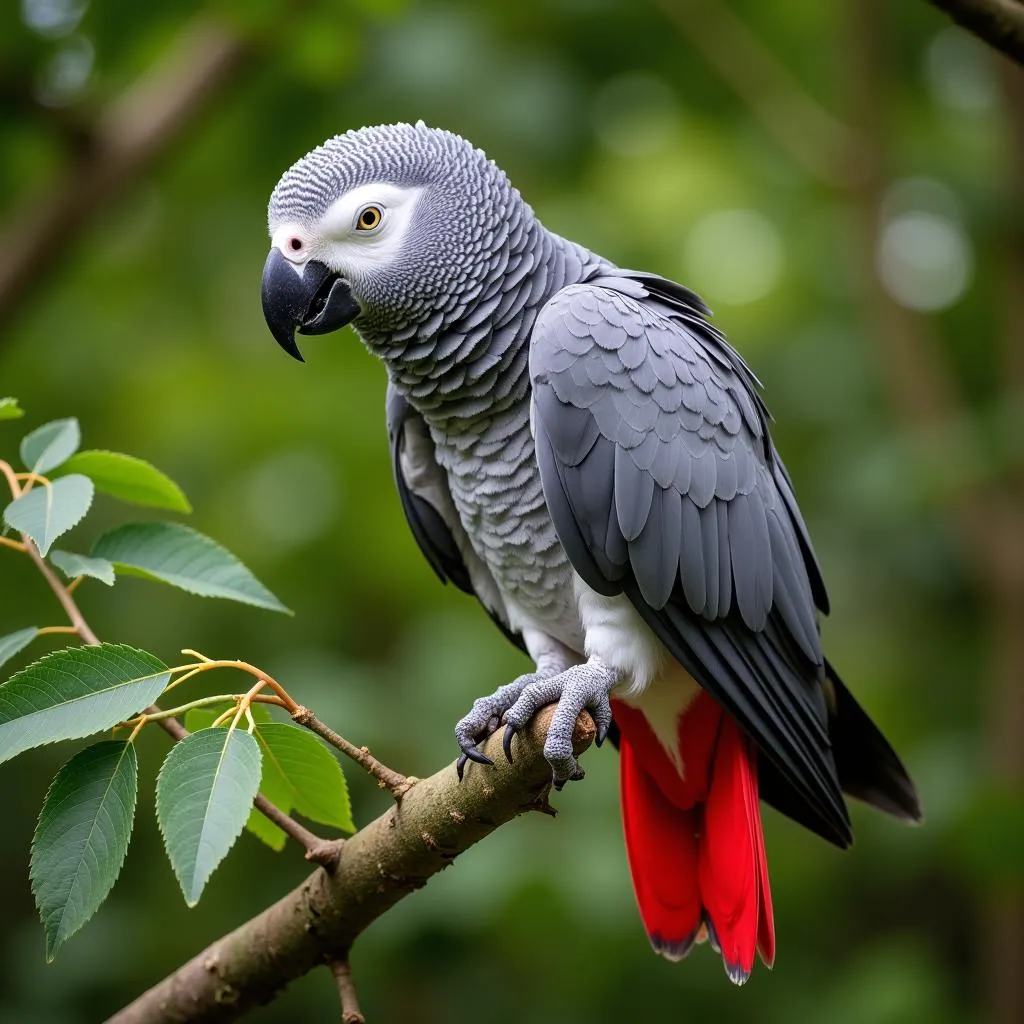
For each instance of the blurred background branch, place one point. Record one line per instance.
(127, 136)
(818, 141)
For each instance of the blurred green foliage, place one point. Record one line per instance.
(618, 132)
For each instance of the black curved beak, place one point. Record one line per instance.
(318, 302)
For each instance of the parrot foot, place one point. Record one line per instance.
(581, 687)
(485, 717)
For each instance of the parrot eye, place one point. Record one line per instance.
(369, 218)
(295, 244)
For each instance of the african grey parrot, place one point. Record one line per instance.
(577, 446)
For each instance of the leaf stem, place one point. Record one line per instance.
(46, 630)
(243, 706)
(143, 719)
(395, 783)
(12, 479)
(31, 478)
(262, 677)
(14, 545)
(195, 654)
(205, 702)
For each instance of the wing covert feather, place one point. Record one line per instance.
(663, 484)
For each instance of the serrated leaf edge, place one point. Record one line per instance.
(184, 506)
(40, 461)
(51, 950)
(187, 583)
(323, 746)
(189, 902)
(44, 550)
(64, 651)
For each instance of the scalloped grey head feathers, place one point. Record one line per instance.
(464, 216)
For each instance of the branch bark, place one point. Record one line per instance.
(317, 923)
(133, 130)
(1000, 23)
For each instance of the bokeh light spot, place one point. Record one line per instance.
(924, 260)
(53, 17)
(958, 72)
(734, 256)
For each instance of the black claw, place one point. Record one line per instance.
(602, 735)
(474, 755)
(558, 784)
(506, 741)
(460, 765)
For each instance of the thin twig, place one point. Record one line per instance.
(350, 1012)
(396, 784)
(324, 852)
(82, 627)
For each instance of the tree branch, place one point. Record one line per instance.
(127, 136)
(1000, 23)
(316, 923)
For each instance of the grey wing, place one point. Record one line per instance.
(664, 485)
(427, 503)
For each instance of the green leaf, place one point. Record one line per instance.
(50, 445)
(272, 786)
(9, 409)
(204, 794)
(73, 566)
(309, 771)
(129, 479)
(82, 837)
(49, 511)
(13, 643)
(182, 557)
(74, 693)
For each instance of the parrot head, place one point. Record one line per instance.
(382, 227)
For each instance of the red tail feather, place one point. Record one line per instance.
(661, 842)
(694, 840)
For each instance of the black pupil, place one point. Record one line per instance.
(369, 218)
(295, 244)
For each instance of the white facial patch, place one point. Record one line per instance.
(351, 250)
